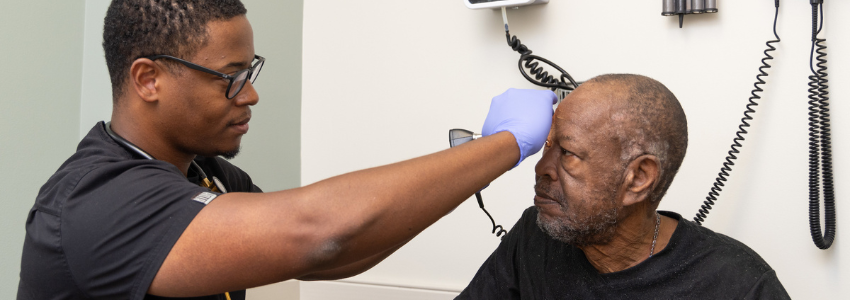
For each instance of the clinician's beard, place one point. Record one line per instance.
(582, 227)
(228, 155)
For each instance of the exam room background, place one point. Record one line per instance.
(357, 84)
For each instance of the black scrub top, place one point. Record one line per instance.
(105, 221)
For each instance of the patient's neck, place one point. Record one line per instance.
(631, 244)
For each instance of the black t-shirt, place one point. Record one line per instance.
(105, 221)
(696, 264)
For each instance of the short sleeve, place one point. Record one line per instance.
(120, 222)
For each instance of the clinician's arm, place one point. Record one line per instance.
(243, 240)
(352, 268)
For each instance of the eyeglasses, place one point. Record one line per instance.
(237, 81)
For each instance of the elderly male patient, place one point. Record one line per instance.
(593, 233)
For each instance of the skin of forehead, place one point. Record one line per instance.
(228, 41)
(588, 113)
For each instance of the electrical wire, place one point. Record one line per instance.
(529, 61)
(820, 148)
(718, 185)
(497, 229)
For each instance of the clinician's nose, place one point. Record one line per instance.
(247, 96)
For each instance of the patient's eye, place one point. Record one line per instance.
(569, 160)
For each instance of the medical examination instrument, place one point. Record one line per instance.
(820, 140)
(685, 7)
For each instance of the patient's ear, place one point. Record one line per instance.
(641, 178)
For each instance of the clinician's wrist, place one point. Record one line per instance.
(509, 145)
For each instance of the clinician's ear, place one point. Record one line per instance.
(144, 78)
(641, 178)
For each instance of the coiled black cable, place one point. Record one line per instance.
(532, 63)
(497, 229)
(717, 187)
(820, 141)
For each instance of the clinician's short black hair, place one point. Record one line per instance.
(137, 28)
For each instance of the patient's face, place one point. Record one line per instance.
(579, 177)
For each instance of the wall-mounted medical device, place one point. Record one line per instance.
(685, 7)
(479, 4)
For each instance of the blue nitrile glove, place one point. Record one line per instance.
(527, 114)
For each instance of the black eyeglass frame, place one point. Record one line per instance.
(256, 67)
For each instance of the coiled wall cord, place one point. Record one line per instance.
(498, 230)
(739, 136)
(820, 141)
(535, 73)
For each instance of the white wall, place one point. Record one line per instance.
(96, 95)
(40, 50)
(384, 80)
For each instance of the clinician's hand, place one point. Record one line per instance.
(527, 114)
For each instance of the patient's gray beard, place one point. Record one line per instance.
(598, 229)
(584, 227)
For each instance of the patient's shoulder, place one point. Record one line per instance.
(723, 250)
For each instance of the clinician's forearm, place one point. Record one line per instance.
(354, 268)
(371, 210)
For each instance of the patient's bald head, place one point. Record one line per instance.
(646, 118)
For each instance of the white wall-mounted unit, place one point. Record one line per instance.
(479, 4)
